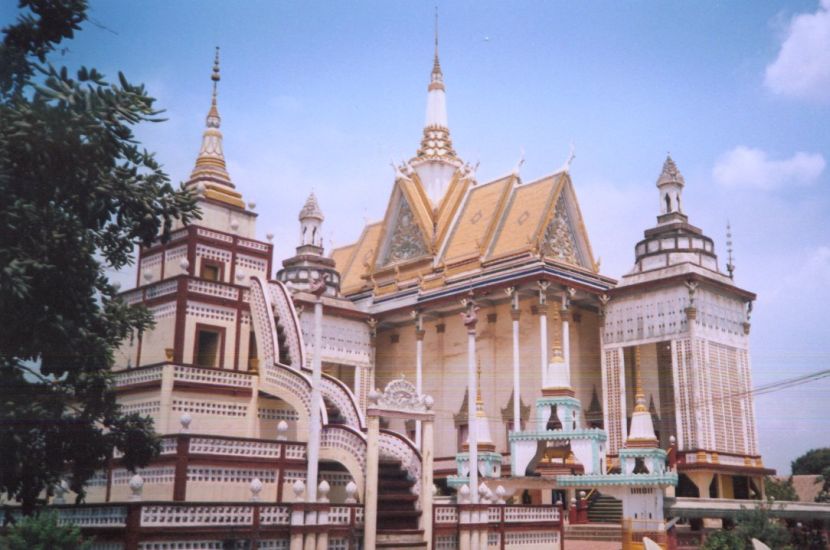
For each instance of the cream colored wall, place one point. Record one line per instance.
(220, 218)
(157, 339)
(445, 365)
(211, 414)
(208, 314)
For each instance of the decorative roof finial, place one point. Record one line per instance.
(437, 76)
(730, 262)
(639, 394)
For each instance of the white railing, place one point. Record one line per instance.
(161, 289)
(340, 515)
(395, 446)
(295, 451)
(274, 515)
(137, 376)
(254, 245)
(446, 514)
(211, 376)
(494, 514)
(214, 235)
(522, 514)
(210, 288)
(169, 446)
(228, 447)
(337, 437)
(338, 395)
(194, 516)
(98, 516)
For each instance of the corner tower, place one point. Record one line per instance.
(681, 325)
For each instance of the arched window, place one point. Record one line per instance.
(668, 203)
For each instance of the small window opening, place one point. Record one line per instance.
(208, 344)
(668, 203)
(211, 271)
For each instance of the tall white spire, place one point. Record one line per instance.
(436, 161)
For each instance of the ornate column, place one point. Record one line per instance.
(419, 366)
(370, 500)
(696, 377)
(470, 319)
(515, 314)
(543, 329)
(566, 332)
(166, 399)
(427, 456)
(318, 287)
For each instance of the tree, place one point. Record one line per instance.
(824, 494)
(812, 462)
(78, 195)
(43, 532)
(757, 523)
(780, 489)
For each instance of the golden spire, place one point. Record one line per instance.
(639, 394)
(437, 82)
(210, 170)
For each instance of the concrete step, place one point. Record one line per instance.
(400, 538)
(594, 531)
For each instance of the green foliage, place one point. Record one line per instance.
(78, 195)
(824, 494)
(723, 540)
(812, 462)
(756, 523)
(780, 489)
(42, 532)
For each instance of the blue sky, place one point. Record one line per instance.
(324, 95)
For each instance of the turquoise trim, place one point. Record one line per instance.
(633, 480)
(559, 400)
(652, 452)
(557, 435)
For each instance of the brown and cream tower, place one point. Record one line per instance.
(688, 323)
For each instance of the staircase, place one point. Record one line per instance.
(398, 515)
(605, 509)
(595, 533)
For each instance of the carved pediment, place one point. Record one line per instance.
(406, 241)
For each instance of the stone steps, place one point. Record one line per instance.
(609, 532)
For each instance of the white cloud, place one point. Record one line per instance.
(802, 68)
(748, 167)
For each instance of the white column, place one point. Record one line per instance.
(426, 480)
(515, 313)
(543, 330)
(678, 399)
(470, 320)
(316, 404)
(166, 399)
(370, 500)
(419, 366)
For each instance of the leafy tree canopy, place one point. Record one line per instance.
(812, 462)
(43, 532)
(780, 489)
(78, 195)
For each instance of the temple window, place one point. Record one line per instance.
(208, 347)
(211, 271)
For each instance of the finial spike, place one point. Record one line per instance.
(215, 77)
(730, 262)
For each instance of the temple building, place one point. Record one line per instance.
(458, 377)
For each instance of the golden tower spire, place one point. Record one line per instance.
(210, 171)
(639, 394)
(437, 82)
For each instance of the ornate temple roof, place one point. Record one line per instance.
(474, 226)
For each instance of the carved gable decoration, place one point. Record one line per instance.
(559, 241)
(401, 395)
(406, 241)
